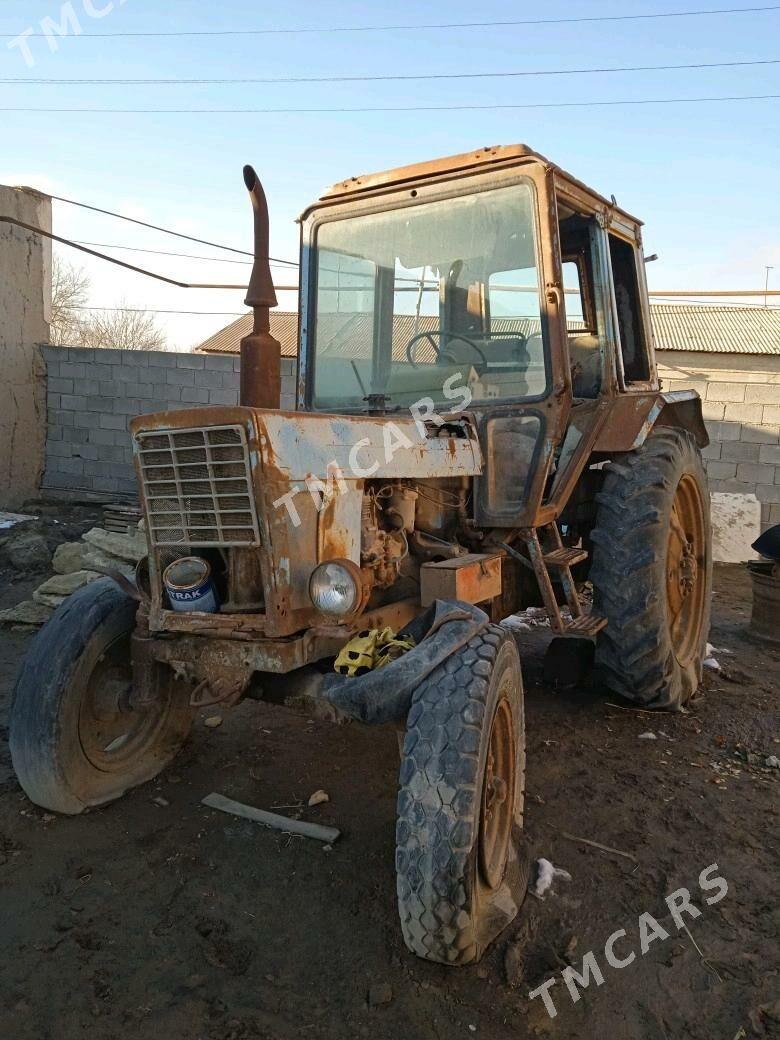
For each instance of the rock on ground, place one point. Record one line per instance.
(69, 557)
(26, 550)
(131, 547)
(26, 613)
(95, 560)
(57, 589)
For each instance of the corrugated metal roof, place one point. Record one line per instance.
(719, 330)
(284, 327)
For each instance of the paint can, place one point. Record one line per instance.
(190, 587)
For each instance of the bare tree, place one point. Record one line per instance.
(69, 293)
(72, 325)
(123, 329)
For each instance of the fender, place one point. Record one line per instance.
(632, 417)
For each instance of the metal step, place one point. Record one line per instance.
(564, 557)
(585, 625)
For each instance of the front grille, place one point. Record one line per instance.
(198, 487)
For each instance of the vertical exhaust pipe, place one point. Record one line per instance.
(261, 354)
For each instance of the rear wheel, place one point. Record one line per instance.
(77, 737)
(652, 571)
(460, 805)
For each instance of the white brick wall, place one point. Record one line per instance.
(741, 404)
(93, 394)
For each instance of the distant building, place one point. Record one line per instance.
(676, 327)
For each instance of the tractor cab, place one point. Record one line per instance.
(492, 282)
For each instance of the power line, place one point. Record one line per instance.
(155, 227)
(388, 108)
(21, 80)
(152, 310)
(186, 256)
(415, 28)
(14, 222)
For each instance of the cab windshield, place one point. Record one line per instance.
(416, 301)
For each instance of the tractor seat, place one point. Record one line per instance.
(585, 357)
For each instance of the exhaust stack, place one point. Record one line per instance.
(261, 354)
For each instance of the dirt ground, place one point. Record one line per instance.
(158, 917)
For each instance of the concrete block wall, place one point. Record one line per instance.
(741, 404)
(92, 395)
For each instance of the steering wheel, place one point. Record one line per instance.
(430, 336)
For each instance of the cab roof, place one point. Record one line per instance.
(462, 165)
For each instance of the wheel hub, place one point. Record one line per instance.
(497, 797)
(688, 570)
(686, 565)
(110, 728)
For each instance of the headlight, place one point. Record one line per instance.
(334, 588)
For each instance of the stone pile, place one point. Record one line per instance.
(75, 565)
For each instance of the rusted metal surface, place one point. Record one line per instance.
(498, 795)
(466, 164)
(261, 353)
(632, 416)
(216, 663)
(471, 579)
(687, 566)
(313, 454)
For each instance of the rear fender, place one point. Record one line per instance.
(633, 416)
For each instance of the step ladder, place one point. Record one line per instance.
(548, 556)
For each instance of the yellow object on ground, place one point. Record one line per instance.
(370, 650)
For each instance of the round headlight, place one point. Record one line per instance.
(334, 588)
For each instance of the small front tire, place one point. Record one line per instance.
(460, 805)
(77, 739)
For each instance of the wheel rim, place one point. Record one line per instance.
(686, 570)
(498, 794)
(111, 731)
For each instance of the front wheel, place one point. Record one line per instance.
(460, 806)
(77, 738)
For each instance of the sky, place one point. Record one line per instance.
(703, 177)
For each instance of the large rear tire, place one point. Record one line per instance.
(460, 805)
(652, 571)
(77, 738)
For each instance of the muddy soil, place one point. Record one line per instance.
(158, 917)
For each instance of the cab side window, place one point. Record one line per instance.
(586, 341)
(633, 338)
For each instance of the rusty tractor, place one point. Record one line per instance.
(479, 428)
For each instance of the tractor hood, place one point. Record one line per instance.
(301, 446)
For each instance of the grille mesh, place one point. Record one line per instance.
(198, 487)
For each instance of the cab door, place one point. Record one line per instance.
(519, 438)
(590, 337)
